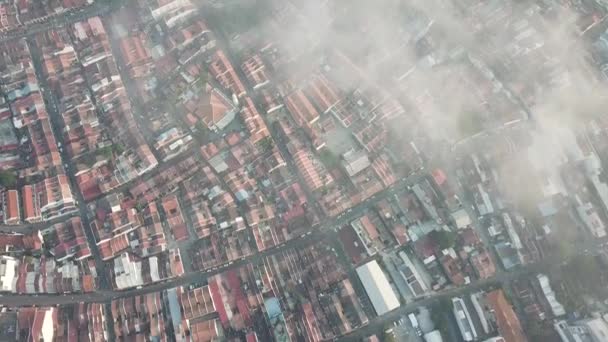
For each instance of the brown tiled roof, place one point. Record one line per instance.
(12, 206)
(28, 203)
(509, 326)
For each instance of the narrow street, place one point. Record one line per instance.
(279, 141)
(324, 232)
(57, 125)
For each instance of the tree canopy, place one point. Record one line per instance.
(8, 178)
(443, 238)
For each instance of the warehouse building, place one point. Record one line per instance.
(378, 289)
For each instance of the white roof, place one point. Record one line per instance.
(597, 328)
(48, 325)
(433, 336)
(378, 288)
(461, 218)
(8, 274)
(355, 162)
(154, 269)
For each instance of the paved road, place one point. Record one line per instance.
(377, 324)
(323, 233)
(188, 279)
(502, 279)
(278, 140)
(27, 228)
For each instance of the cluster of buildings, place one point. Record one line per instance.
(424, 244)
(130, 155)
(48, 199)
(481, 316)
(191, 158)
(227, 192)
(54, 260)
(40, 189)
(343, 160)
(16, 14)
(78, 322)
(37, 147)
(162, 54)
(133, 243)
(589, 329)
(269, 301)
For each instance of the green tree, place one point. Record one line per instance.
(106, 152)
(443, 238)
(8, 178)
(118, 148)
(438, 314)
(266, 144)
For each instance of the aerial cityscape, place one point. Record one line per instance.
(304, 170)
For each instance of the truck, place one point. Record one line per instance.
(415, 325)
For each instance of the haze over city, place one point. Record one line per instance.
(303, 170)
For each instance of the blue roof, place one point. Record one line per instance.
(30, 87)
(507, 254)
(273, 307)
(174, 309)
(242, 195)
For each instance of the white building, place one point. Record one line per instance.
(597, 328)
(412, 277)
(484, 204)
(127, 272)
(433, 336)
(556, 307)
(594, 170)
(587, 330)
(355, 162)
(591, 218)
(513, 236)
(571, 333)
(480, 306)
(8, 273)
(461, 219)
(46, 332)
(463, 319)
(378, 288)
(173, 12)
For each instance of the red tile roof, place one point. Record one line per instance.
(12, 214)
(483, 264)
(219, 303)
(222, 70)
(204, 331)
(28, 203)
(301, 108)
(509, 326)
(197, 303)
(322, 93)
(369, 227)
